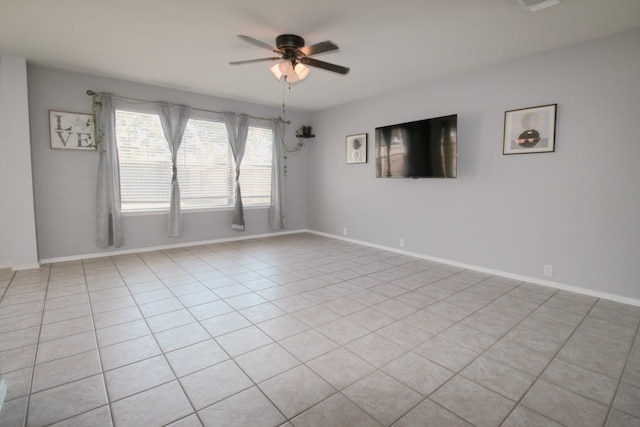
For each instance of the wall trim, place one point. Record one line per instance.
(31, 266)
(117, 252)
(547, 283)
(18, 267)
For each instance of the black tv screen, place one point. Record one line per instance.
(421, 149)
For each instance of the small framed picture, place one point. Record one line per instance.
(530, 130)
(71, 130)
(356, 148)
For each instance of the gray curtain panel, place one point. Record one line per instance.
(277, 214)
(174, 119)
(109, 215)
(237, 129)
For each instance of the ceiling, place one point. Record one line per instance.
(388, 44)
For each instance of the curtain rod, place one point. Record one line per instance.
(91, 93)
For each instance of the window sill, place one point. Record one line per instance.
(150, 212)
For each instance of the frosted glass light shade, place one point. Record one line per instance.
(301, 71)
(291, 74)
(286, 68)
(275, 70)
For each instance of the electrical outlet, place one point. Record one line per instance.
(402, 243)
(548, 270)
(344, 231)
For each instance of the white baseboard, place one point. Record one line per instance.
(556, 285)
(3, 393)
(25, 266)
(547, 283)
(19, 267)
(117, 252)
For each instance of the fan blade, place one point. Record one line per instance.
(324, 65)
(317, 48)
(249, 61)
(258, 43)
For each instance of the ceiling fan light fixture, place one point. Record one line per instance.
(293, 78)
(291, 73)
(286, 68)
(275, 70)
(301, 71)
(295, 57)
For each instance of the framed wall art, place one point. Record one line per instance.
(356, 148)
(71, 130)
(530, 130)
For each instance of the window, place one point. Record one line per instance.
(206, 169)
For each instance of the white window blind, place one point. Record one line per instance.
(145, 161)
(206, 169)
(204, 165)
(255, 170)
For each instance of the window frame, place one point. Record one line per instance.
(149, 108)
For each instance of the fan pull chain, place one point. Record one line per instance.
(283, 94)
(283, 109)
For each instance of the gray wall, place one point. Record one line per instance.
(577, 209)
(65, 180)
(17, 223)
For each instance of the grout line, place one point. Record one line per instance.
(162, 352)
(35, 357)
(232, 359)
(180, 259)
(95, 337)
(634, 342)
(555, 355)
(459, 372)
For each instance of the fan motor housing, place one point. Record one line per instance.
(289, 41)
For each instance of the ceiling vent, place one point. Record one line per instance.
(535, 5)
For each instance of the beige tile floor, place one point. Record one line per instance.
(302, 330)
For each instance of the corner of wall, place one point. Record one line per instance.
(17, 218)
(3, 393)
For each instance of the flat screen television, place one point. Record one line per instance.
(421, 149)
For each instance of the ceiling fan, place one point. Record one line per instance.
(293, 56)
